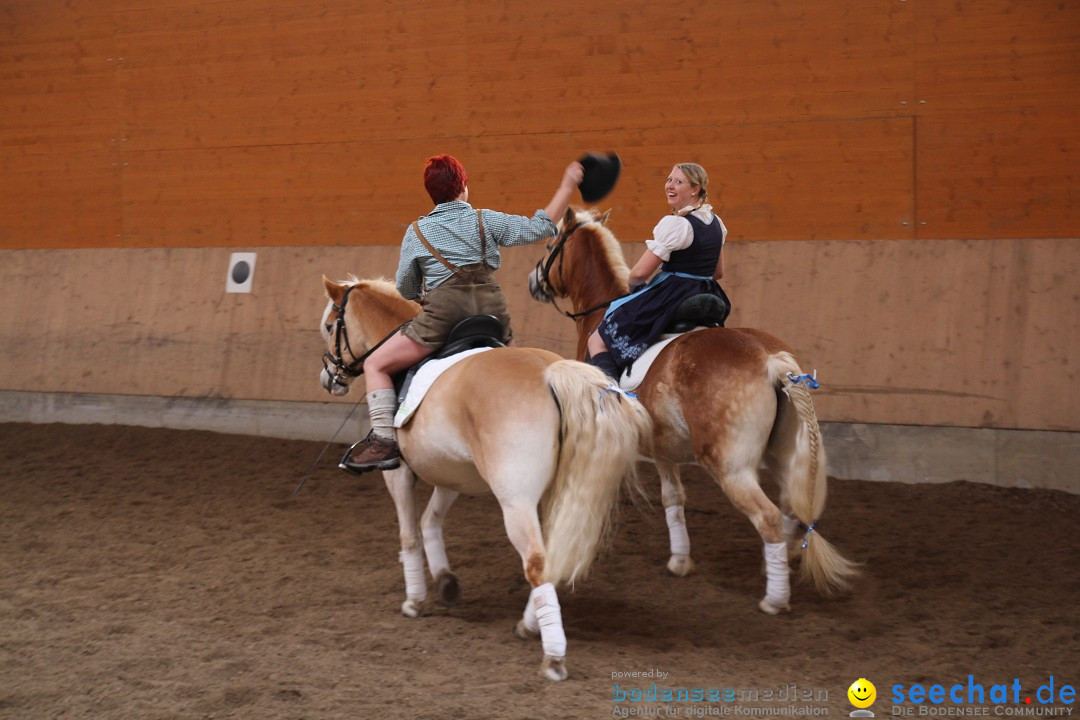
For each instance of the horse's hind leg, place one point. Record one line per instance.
(447, 585)
(400, 483)
(674, 498)
(741, 486)
(542, 615)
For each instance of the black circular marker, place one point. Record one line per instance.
(241, 271)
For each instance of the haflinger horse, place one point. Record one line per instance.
(728, 400)
(523, 424)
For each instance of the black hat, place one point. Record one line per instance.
(601, 174)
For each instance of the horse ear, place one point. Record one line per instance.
(334, 291)
(604, 217)
(568, 218)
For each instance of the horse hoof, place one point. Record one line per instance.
(553, 668)
(448, 588)
(680, 565)
(522, 632)
(769, 609)
(412, 608)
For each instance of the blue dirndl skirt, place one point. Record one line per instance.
(633, 323)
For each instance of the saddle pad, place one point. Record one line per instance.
(422, 381)
(636, 371)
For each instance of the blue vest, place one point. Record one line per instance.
(703, 253)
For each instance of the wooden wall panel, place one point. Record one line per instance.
(336, 194)
(593, 66)
(997, 56)
(825, 179)
(356, 193)
(998, 140)
(999, 174)
(242, 74)
(59, 155)
(57, 95)
(759, 93)
(976, 333)
(59, 200)
(158, 321)
(57, 78)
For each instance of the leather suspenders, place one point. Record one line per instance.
(438, 256)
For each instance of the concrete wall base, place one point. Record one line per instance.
(889, 453)
(265, 418)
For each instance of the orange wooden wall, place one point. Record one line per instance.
(130, 123)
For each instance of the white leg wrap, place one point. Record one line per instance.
(529, 618)
(549, 617)
(676, 525)
(415, 584)
(777, 575)
(435, 549)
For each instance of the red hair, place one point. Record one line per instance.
(444, 178)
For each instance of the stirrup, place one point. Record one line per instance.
(351, 466)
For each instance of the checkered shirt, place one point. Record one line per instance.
(451, 229)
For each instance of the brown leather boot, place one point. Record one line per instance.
(375, 454)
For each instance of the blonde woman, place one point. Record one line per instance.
(687, 248)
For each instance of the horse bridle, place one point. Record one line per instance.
(354, 369)
(543, 273)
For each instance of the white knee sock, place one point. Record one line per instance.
(382, 404)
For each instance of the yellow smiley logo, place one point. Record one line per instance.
(862, 693)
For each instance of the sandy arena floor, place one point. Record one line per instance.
(161, 574)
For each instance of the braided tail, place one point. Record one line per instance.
(797, 456)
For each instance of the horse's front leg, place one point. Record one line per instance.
(447, 585)
(674, 499)
(402, 486)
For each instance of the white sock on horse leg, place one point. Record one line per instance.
(549, 617)
(415, 584)
(529, 618)
(676, 525)
(382, 404)
(435, 549)
(531, 624)
(777, 575)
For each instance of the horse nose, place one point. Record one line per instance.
(326, 380)
(535, 288)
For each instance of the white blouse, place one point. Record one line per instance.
(674, 232)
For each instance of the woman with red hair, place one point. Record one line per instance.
(448, 259)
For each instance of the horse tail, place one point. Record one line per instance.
(602, 431)
(797, 456)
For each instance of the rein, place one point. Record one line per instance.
(543, 272)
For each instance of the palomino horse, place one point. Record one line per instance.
(523, 424)
(725, 399)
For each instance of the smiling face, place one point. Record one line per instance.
(862, 693)
(680, 192)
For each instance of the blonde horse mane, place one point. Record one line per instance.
(593, 223)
